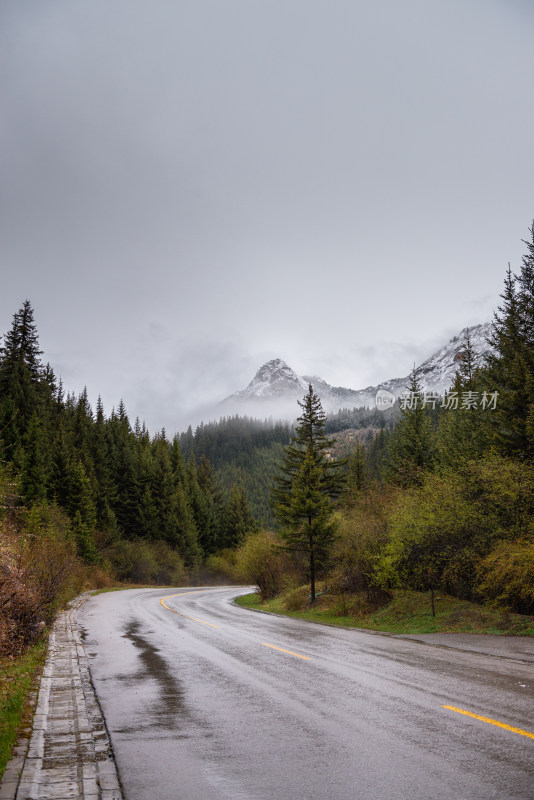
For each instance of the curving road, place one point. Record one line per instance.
(205, 700)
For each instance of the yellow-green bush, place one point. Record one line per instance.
(223, 565)
(440, 532)
(506, 576)
(260, 562)
(147, 562)
(362, 535)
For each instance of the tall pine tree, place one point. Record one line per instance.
(308, 481)
(411, 450)
(510, 369)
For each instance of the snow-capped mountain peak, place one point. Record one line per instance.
(274, 379)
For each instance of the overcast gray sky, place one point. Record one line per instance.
(190, 188)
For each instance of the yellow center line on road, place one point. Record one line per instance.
(195, 619)
(291, 653)
(180, 594)
(491, 721)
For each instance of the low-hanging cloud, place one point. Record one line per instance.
(189, 189)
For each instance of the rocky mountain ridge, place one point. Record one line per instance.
(275, 387)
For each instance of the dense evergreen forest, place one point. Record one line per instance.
(360, 418)
(244, 452)
(113, 480)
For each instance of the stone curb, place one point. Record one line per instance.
(69, 755)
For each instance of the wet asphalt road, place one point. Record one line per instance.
(210, 712)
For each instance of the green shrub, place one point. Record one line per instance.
(170, 567)
(223, 565)
(147, 562)
(297, 599)
(362, 537)
(442, 530)
(260, 562)
(506, 576)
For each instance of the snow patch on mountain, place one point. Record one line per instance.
(437, 373)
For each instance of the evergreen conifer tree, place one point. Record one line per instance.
(163, 490)
(149, 519)
(357, 472)
(211, 529)
(510, 369)
(104, 486)
(525, 282)
(376, 455)
(84, 538)
(237, 519)
(411, 450)
(177, 462)
(22, 383)
(304, 489)
(33, 478)
(20, 347)
(185, 534)
(463, 430)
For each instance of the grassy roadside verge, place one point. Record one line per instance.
(408, 612)
(18, 676)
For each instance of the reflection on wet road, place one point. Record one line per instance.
(205, 700)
